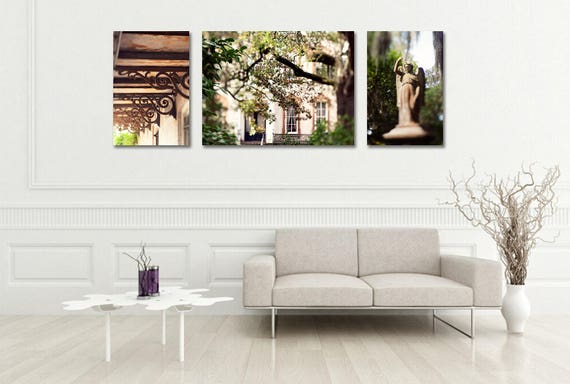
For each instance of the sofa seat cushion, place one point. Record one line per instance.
(417, 290)
(321, 289)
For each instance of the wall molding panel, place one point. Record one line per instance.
(544, 257)
(239, 217)
(50, 264)
(226, 261)
(34, 181)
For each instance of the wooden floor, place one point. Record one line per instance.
(309, 349)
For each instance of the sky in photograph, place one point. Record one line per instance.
(422, 50)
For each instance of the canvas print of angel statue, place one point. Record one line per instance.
(405, 88)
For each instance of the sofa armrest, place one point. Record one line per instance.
(485, 277)
(258, 279)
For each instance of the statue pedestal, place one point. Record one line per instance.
(406, 133)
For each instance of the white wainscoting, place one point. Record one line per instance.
(46, 259)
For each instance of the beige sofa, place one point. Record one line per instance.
(369, 268)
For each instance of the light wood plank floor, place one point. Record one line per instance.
(309, 349)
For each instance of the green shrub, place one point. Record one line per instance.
(125, 138)
(343, 133)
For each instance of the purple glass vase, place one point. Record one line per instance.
(144, 284)
(153, 285)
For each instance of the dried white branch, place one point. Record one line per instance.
(511, 210)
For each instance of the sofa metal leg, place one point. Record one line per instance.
(273, 323)
(471, 334)
(433, 319)
(472, 323)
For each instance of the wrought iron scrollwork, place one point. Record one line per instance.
(135, 119)
(160, 103)
(145, 110)
(123, 122)
(177, 82)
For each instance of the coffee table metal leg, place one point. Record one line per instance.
(181, 335)
(164, 327)
(107, 336)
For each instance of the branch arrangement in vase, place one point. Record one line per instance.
(511, 210)
(143, 264)
(142, 260)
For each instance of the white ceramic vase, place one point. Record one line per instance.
(516, 308)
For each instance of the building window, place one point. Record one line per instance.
(320, 112)
(291, 120)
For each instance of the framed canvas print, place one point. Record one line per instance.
(278, 88)
(405, 88)
(151, 88)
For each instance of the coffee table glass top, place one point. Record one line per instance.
(170, 297)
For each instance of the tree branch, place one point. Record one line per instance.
(299, 72)
(244, 76)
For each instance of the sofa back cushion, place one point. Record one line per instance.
(398, 250)
(313, 250)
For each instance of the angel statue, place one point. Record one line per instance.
(410, 89)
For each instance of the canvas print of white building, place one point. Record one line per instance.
(278, 88)
(151, 88)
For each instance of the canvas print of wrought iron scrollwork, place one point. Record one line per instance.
(151, 88)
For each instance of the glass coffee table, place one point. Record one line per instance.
(174, 298)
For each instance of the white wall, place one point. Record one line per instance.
(67, 194)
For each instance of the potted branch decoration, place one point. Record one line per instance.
(147, 275)
(512, 211)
